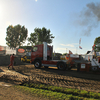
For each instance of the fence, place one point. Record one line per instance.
(5, 60)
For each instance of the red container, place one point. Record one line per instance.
(85, 67)
(88, 66)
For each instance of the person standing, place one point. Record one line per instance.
(11, 61)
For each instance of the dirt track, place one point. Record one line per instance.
(52, 76)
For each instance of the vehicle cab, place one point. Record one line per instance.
(38, 52)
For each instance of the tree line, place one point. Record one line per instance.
(17, 35)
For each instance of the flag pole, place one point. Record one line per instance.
(79, 44)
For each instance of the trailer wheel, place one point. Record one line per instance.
(37, 63)
(61, 66)
(94, 68)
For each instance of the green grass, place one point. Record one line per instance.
(59, 93)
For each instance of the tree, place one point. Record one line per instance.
(16, 35)
(97, 44)
(26, 47)
(40, 35)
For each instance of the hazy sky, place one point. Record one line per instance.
(68, 20)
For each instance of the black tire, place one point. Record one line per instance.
(37, 63)
(94, 68)
(61, 66)
(45, 66)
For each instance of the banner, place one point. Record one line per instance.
(2, 50)
(20, 51)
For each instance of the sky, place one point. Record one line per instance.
(68, 20)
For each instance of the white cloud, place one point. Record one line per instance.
(75, 43)
(61, 49)
(69, 45)
(64, 50)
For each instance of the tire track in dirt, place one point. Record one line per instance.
(69, 79)
(67, 82)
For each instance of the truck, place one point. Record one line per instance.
(42, 55)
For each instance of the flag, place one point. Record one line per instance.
(80, 47)
(80, 41)
(93, 46)
(70, 52)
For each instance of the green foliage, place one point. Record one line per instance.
(40, 35)
(97, 44)
(61, 93)
(26, 47)
(16, 35)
